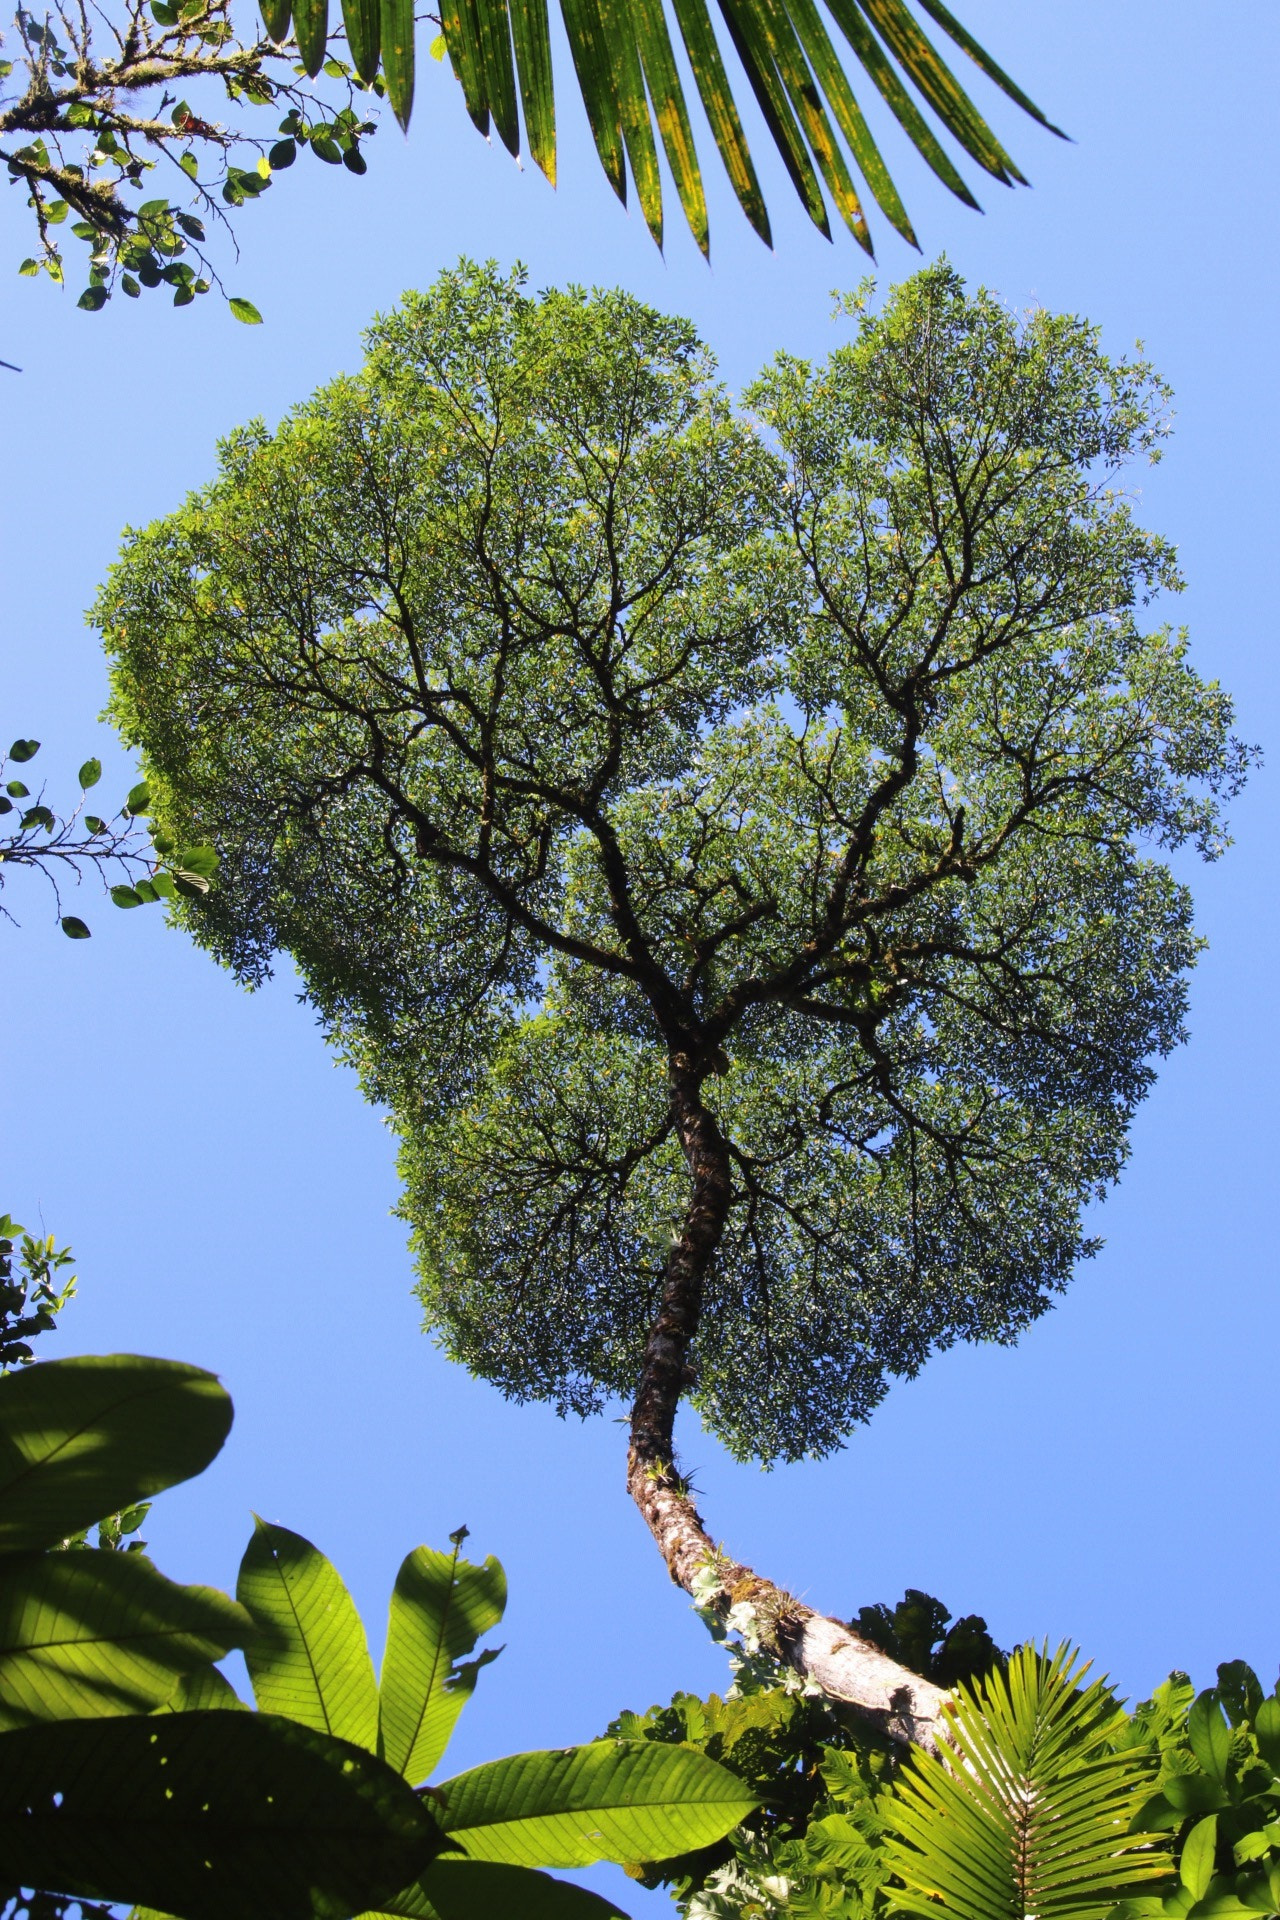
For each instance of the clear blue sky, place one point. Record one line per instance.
(227, 1192)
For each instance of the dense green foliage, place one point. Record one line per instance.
(571, 727)
(846, 1828)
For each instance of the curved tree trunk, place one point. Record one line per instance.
(827, 1652)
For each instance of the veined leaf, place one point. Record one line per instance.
(276, 15)
(479, 1890)
(309, 1659)
(1031, 1813)
(85, 1437)
(440, 1606)
(612, 1800)
(208, 1815)
(93, 1632)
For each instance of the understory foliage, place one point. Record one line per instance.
(1052, 1802)
(583, 736)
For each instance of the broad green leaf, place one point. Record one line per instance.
(90, 774)
(440, 1606)
(1209, 1735)
(74, 927)
(208, 1815)
(246, 312)
(84, 1437)
(397, 56)
(612, 1800)
(479, 1890)
(92, 1632)
(310, 1659)
(24, 750)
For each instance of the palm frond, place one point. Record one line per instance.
(1027, 1817)
(500, 51)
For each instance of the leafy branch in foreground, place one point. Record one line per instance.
(101, 104)
(92, 125)
(147, 866)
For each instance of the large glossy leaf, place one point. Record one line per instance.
(310, 1659)
(1030, 1813)
(82, 1438)
(440, 1606)
(479, 1890)
(93, 1632)
(612, 1800)
(208, 1815)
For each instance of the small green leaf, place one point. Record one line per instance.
(1266, 1731)
(1197, 1856)
(138, 799)
(327, 150)
(90, 774)
(93, 299)
(73, 928)
(354, 161)
(130, 286)
(94, 823)
(38, 817)
(18, 790)
(246, 311)
(24, 750)
(283, 154)
(1209, 1734)
(126, 897)
(202, 861)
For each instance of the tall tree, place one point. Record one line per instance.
(727, 841)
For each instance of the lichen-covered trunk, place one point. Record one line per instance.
(845, 1666)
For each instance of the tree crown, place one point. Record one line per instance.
(578, 731)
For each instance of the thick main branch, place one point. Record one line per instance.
(827, 1652)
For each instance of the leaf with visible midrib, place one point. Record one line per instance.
(440, 1606)
(611, 1800)
(310, 1659)
(208, 1815)
(94, 1632)
(84, 1437)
